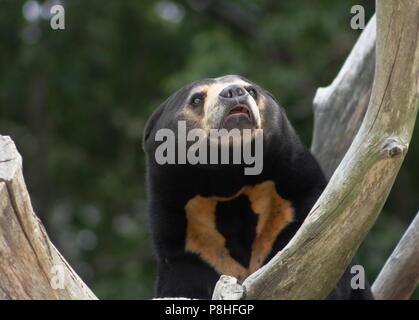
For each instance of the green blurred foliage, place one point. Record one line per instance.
(75, 101)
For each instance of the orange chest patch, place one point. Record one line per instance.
(202, 237)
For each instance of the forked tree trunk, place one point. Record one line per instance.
(339, 111)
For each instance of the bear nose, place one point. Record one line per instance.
(232, 91)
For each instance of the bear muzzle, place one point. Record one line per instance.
(238, 109)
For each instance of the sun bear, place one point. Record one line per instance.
(210, 217)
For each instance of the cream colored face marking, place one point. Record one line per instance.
(211, 110)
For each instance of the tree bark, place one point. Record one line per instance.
(227, 288)
(30, 266)
(400, 275)
(314, 260)
(340, 108)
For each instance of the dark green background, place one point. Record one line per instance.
(75, 102)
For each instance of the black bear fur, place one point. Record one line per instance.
(295, 172)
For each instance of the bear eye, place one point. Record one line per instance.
(197, 99)
(252, 92)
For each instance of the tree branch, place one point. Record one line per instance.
(400, 275)
(339, 110)
(30, 264)
(340, 107)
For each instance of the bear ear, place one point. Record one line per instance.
(176, 99)
(151, 123)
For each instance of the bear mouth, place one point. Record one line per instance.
(239, 117)
(240, 109)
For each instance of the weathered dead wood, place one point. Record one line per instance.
(30, 265)
(227, 288)
(340, 108)
(400, 275)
